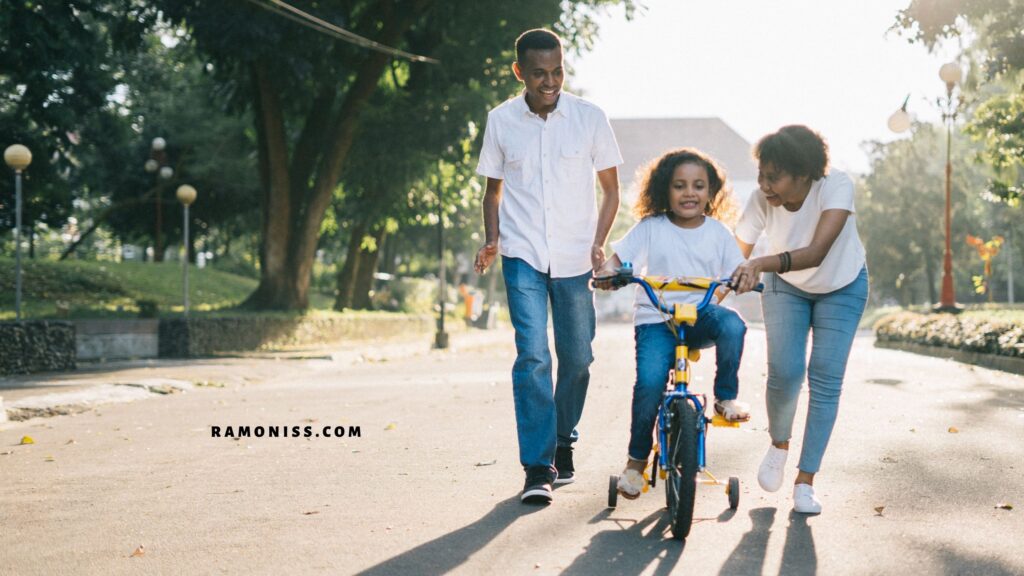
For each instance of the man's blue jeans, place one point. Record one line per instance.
(790, 314)
(547, 414)
(656, 355)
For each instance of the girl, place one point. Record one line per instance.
(677, 236)
(816, 284)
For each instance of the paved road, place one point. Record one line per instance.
(431, 485)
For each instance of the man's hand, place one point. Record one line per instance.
(597, 257)
(485, 257)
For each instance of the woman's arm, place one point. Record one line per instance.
(829, 226)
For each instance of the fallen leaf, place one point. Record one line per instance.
(878, 510)
(890, 460)
(953, 430)
(1004, 506)
(913, 429)
(138, 551)
(72, 441)
(7, 453)
(391, 426)
(311, 512)
(27, 440)
(49, 459)
(491, 463)
(310, 420)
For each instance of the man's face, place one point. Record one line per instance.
(541, 72)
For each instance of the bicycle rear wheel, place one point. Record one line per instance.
(681, 484)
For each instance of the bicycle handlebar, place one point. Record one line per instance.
(624, 277)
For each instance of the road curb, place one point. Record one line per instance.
(74, 402)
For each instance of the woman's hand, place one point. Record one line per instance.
(747, 275)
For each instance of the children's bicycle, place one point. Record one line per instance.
(680, 453)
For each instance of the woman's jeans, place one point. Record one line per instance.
(546, 414)
(656, 355)
(789, 315)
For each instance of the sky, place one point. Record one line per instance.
(762, 64)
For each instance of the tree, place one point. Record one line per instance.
(55, 78)
(998, 47)
(900, 216)
(308, 93)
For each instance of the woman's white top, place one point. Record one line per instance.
(788, 231)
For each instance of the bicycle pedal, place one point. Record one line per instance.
(720, 421)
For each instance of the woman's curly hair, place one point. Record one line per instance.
(656, 181)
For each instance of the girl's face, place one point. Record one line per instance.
(688, 195)
(781, 188)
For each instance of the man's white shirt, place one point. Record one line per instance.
(548, 211)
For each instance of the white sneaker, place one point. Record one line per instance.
(769, 476)
(631, 483)
(804, 500)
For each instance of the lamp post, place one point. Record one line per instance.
(18, 157)
(158, 163)
(950, 74)
(186, 195)
(441, 338)
(900, 122)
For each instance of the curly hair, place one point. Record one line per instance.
(796, 150)
(656, 180)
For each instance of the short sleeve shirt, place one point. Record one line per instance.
(657, 247)
(788, 231)
(548, 210)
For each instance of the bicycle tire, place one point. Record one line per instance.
(681, 484)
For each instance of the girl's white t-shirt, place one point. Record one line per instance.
(788, 231)
(657, 247)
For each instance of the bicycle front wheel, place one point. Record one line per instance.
(681, 484)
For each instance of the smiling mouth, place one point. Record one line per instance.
(548, 92)
(688, 205)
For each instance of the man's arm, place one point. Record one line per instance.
(492, 199)
(609, 180)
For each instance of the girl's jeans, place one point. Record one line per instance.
(655, 356)
(790, 314)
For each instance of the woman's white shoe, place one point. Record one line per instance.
(769, 476)
(804, 500)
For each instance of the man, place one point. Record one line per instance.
(539, 156)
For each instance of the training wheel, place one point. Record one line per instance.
(613, 490)
(733, 490)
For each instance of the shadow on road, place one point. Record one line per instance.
(629, 550)
(446, 553)
(748, 556)
(799, 555)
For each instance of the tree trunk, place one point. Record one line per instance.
(368, 260)
(293, 216)
(347, 274)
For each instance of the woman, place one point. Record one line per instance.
(816, 282)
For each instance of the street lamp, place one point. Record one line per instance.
(17, 157)
(950, 73)
(186, 195)
(157, 163)
(441, 337)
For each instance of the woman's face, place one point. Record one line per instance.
(780, 187)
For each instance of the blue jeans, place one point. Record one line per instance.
(790, 314)
(547, 415)
(656, 355)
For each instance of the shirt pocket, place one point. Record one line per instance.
(515, 158)
(574, 162)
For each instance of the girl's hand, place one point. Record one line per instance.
(746, 276)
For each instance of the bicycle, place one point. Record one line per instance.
(680, 454)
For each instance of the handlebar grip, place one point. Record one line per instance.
(759, 287)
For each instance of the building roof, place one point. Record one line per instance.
(644, 139)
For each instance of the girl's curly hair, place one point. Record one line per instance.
(657, 179)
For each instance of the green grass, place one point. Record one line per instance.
(112, 289)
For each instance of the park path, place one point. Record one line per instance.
(924, 451)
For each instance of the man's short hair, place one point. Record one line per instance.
(536, 39)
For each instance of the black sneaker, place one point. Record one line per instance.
(563, 463)
(537, 489)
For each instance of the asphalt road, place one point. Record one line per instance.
(431, 484)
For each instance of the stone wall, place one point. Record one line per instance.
(36, 346)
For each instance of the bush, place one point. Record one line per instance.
(969, 332)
